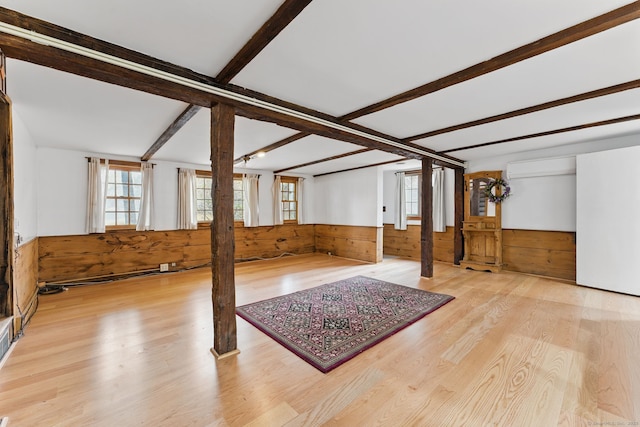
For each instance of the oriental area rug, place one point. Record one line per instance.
(330, 324)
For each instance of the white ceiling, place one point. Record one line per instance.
(336, 57)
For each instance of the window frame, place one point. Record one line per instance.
(418, 174)
(236, 177)
(290, 180)
(119, 165)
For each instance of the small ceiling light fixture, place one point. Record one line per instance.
(261, 154)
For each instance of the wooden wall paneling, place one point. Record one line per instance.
(269, 242)
(406, 243)
(347, 241)
(63, 258)
(25, 283)
(546, 253)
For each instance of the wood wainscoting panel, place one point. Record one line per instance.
(121, 252)
(25, 283)
(546, 253)
(348, 241)
(406, 243)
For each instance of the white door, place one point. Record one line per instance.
(608, 220)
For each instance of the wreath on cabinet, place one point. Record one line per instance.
(505, 190)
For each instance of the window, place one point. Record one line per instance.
(204, 203)
(238, 198)
(288, 190)
(124, 190)
(412, 189)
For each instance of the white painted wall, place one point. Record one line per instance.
(544, 203)
(389, 190)
(62, 183)
(608, 230)
(349, 198)
(25, 187)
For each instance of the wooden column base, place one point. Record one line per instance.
(224, 355)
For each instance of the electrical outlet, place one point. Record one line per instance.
(164, 267)
(173, 264)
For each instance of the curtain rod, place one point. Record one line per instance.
(121, 162)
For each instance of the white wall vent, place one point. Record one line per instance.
(542, 167)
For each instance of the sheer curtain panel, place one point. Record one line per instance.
(277, 201)
(250, 208)
(145, 216)
(439, 220)
(96, 195)
(187, 214)
(400, 222)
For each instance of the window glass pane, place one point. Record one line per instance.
(122, 190)
(134, 205)
(207, 184)
(122, 205)
(133, 218)
(122, 177)
(136, 178)
(110, 205)
(111, 190)
(110, 218)
(200, 194)
(136, 190)
(122, 218)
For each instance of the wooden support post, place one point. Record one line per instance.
(426, 236)
(222, 233)
(458, 239)
(6, 208)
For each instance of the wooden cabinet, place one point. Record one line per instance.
(482, 225)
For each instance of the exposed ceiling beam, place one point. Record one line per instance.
(326, 159)
(32, 40)
(173, 128)
(359, 167)
(549, 132)
(569, 35)
(634, 84)
(577, 32)
(277, 144)
(285, 14)
(269, 30)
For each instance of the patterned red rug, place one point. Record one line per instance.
(330, 324)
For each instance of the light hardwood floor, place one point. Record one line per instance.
(511, 350)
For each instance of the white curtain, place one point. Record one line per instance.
(400, 203)
(278, 215)
(187, 213)
(439, 221)
(250, 207)
(145, 216)
(96, 195)
(300, 197)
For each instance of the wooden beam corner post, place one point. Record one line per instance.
(458, 217)
(6, 209)
(222, 232)
(426, 221)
